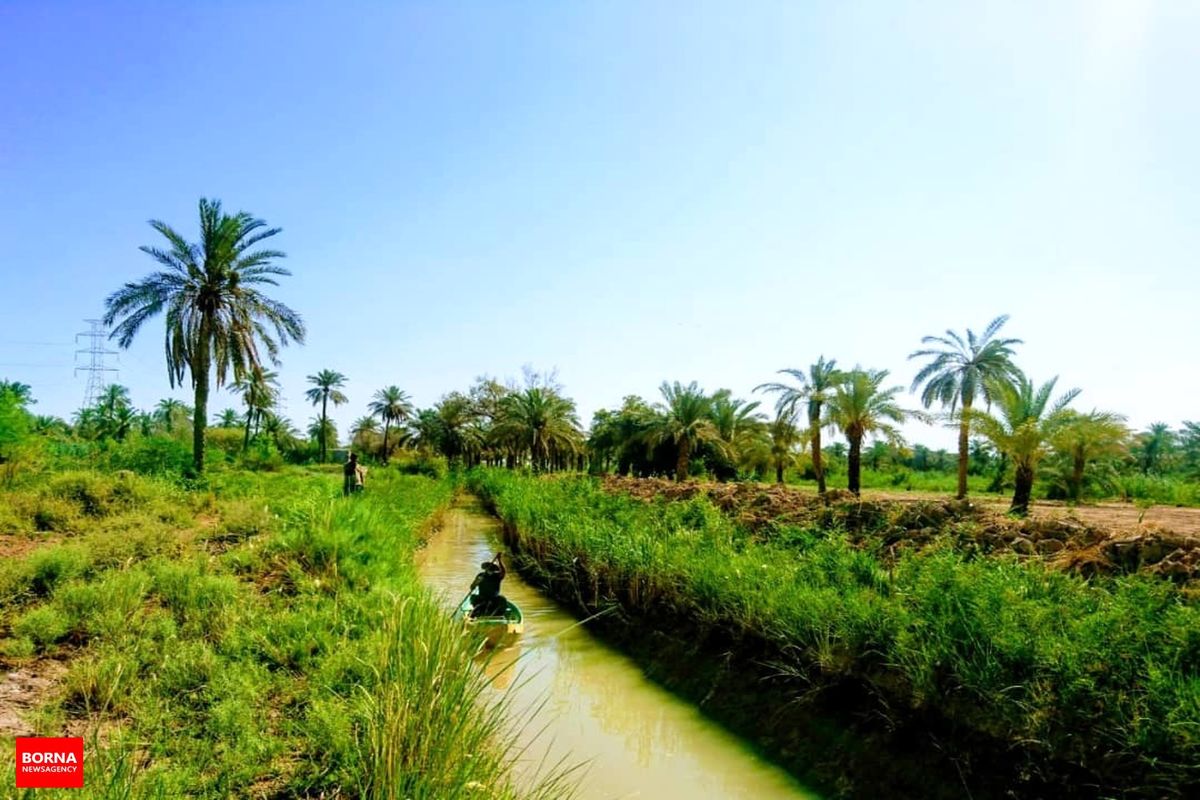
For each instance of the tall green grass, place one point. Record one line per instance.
(273, 640)
(1102, 675)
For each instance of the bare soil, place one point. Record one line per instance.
(22, 689)
(1103, 539)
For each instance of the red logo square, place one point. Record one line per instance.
(49, 763)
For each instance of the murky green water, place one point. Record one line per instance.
(639, 741)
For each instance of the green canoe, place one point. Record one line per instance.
(494, 628)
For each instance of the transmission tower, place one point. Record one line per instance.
(96, 370)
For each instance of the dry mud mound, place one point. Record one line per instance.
(1056, 535)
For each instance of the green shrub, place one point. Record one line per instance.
(430, 466)
(46, 568)
(44, 626)
(55, 514)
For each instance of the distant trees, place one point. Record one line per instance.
(684, 420)
(1154, 447)
(811, 389)
(259, 389)
(1022, 430)
(393, 407)
(860, 405)
(323, 431)
(15, 419)
(962, 369)
(326, 388)
(1082, 440)
(540, 423)
(218, 321)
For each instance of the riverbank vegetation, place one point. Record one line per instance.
(1091, 682)
(247, 635)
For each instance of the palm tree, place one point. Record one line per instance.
(786, 439)
(229, 418)
(391, 405)
(363, 433)
(279, 429)
(1189, 444)
(170, 413)
(685, 420)
(1154, 446)
(326, 387)
(541, 422)
(1086, 438)
(961, 370)
(22, 392)
(813, 388)
(216, 315)
(259, 390)
(1023, 428)
(860, 406)
(322, 430)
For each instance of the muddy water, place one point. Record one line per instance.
(637, 739)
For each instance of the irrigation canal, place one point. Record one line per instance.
(635, 739)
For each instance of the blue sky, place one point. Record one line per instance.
(629, 192)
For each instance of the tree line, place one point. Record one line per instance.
(222, 328)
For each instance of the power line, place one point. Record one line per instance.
(96, 369)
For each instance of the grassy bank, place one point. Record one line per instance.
(256, 636)
(1047, 677)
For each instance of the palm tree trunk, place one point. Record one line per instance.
(387, 424)
(964, 434)
(1077, 466)
(814, 422)
(200, 376)
(779, 472)
(246, 438)
(855, 467)
(681, 465)
(1023, 490)
(324, 403)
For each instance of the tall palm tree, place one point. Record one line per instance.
(814, 389)
(860, 405)
(327, 386)
(217, 318)
(1083, 439)
(259, 390)
(1022, 429)
(959, 371)
(685, 420)
(541, 422)
(392, 405)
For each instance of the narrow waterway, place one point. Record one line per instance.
(637, 739)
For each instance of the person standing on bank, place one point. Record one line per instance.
(352, 476)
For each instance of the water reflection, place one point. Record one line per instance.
(595, 704)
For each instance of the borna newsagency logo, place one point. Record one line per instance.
(49, 763)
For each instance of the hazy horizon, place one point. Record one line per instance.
(629, 194)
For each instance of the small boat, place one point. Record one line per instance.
(495, 628)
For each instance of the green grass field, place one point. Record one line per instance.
(258, 636)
